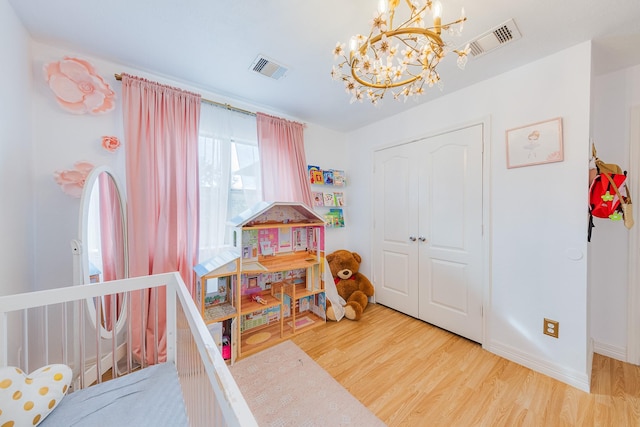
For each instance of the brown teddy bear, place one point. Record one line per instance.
(352, 286)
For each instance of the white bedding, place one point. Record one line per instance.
(149, 397)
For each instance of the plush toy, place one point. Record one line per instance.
(352, 286)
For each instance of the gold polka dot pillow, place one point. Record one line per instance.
(25, 400)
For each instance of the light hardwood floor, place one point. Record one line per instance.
(410, 373)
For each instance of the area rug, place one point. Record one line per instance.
(283, 387)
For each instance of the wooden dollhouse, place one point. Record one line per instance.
(270, 286)
(281, 249)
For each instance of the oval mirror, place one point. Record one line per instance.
(104, 249)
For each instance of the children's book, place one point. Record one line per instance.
(332, 219)
(339, 178)
(315, 174)
(328, 199)
(328, 177)
(329, 220)
(318, 198)
(337, 218)
(338, 196)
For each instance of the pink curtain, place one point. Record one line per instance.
(282, 160)
(161, 134)
(112, 241)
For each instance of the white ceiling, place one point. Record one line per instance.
(211, 44)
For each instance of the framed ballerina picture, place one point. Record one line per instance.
(535, 144)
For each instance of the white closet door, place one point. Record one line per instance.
(428, 230)
(450, 266)
(395, 230)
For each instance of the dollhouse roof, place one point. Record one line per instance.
(277, 213)
(222, 263)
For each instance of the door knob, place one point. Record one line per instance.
(412, 238)
(422, 239)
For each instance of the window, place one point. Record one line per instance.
(229, 168)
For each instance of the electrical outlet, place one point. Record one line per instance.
(551, 327)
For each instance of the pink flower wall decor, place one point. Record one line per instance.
(110, 143)
(72, 181)
(78, 88)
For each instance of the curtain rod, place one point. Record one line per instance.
(208, 101)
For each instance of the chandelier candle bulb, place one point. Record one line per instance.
(437, 16)
(382, 6)
(353, 44)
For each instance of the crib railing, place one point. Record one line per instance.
(53, 326)
(211, 395)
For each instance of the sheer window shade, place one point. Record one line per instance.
(229, 173)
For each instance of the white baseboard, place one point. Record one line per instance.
(615, 352)
(579, 380)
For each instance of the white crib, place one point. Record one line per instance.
(45, 327)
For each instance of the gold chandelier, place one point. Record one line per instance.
(403, 58)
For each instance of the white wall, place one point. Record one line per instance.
(61, 139)
(538, 219)
(614, 95)
(16, 166)
(326, 148)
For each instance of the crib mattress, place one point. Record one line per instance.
(149, 397)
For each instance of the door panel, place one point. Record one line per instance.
(446, 200)
(451, 256)
(449, 285)
(395, 205)
(396, 273)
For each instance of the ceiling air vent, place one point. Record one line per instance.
(268, 67)
(493, 39)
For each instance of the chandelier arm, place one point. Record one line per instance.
(416, 63)
(413, 17)
(365, 83)
(411, 7)
(427, 32)
(404, 42)
(421, 31)
(457, 21)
